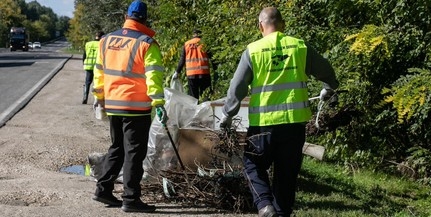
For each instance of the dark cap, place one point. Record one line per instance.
(137, 9)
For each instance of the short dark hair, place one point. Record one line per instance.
(99, 34)
(197, 31)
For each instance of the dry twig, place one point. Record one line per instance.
(221, 187)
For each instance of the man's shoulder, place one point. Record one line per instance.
(254, 43)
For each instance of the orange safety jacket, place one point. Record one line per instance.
(197, 61)
(127, 67)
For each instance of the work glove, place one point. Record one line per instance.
(175, 75)
(225, 122)
(97, 102)
(162, 115)
(325, 94)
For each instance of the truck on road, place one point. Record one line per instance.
(18, 39)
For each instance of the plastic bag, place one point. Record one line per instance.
(177, 85)
(183, 111)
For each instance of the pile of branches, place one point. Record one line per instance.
(222, 186)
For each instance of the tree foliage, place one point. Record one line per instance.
(40, 21)
(10, 13)
(93, 16)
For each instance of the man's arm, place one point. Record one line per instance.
(154, 75)
(214, 64)
(98, 77)
(238, 88)
(320, 68)
(182, 60)
(85, 54)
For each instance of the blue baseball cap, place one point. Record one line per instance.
(137, 9)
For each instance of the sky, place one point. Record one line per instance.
(60, 7)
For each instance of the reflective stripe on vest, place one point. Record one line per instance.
(279, 92)
(128, 103)
(91, 48)
(125, 86)
(197, 62)
(276, 87)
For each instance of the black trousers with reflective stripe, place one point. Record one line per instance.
(280, 146)
(129, 137)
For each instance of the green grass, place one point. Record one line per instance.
(328, 190)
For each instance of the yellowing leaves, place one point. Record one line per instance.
(409, 94)
(369, 41)
(350, 37)
(389, 99)
(171, 52)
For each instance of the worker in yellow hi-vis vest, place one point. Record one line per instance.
(89, 60)
(276, 69)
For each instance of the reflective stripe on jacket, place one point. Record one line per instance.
(129, 74)
(197, 62)
(91, 48)
(279, 92)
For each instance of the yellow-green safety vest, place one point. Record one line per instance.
(279, 93)
(91, 49)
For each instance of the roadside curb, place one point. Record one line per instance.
(23, 100)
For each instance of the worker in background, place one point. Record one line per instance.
(89, 60)
(276, 68)
(128, 83)
(197, 58)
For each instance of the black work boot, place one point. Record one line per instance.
(109, 200)
(138, 206)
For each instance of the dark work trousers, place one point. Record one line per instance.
(280, 146)
(129, 137)
(198, 84)
(88, 80)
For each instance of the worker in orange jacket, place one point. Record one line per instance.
(197, 59)
(128, 81)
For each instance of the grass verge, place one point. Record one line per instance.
(328, 190)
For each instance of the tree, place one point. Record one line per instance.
(62, 25)
(10, 14)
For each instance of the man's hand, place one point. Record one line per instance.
(225, 122)
(175, 75)
(97, 102)
(162, 114)
(325, 94)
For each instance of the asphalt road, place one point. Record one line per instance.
(23, 74)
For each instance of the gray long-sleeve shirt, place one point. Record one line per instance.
(316, 66)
